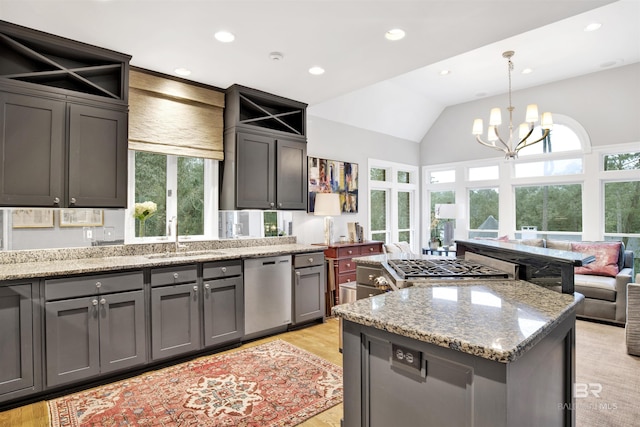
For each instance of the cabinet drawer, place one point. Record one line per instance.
(221, 269)
(347, 277)
(174, 275)
(349, 251)
(308, 260)
(345, 265)
(72, 287)
(370, 249)
(366, 275)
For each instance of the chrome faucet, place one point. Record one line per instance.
(174, 221)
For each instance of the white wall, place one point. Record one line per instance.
(336, 141)
(606, 103)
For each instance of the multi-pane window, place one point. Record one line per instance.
(549, 207)
(484, 212)
(179, 187)
(392, 202)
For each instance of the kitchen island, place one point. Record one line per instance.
(460, 353)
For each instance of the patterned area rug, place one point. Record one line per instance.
(273, 384)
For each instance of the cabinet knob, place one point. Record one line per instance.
(279, 205)
(72, 201)
(311, 260)
(348, 280)
(207, 286)
(94, 302)
(349, 251)
(223, 269)
(370, 249)
(272, 204)
(348, 264)
(56, 200)
(98, 285)
(195, 289)
(175, 275)
(371, 277)
(103, 301)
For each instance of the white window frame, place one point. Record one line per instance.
(210, 202)
(393, 187)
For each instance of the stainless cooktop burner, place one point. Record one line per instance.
(439, 268)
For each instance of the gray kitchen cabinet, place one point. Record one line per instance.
(265, 163)
(223, 301)
(309, 287)
(20, 350)
(175, 315)
(94, 325)
(63, 121)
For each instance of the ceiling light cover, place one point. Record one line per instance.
(593, 26)
(224, 36)
(182, 71)
(316, 71)
(395, 34)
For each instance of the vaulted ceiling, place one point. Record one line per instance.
(391, 87)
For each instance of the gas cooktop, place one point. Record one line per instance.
(442, 268)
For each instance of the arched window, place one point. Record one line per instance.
(566, 135)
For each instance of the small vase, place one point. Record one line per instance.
(434, 244)
(141, 229)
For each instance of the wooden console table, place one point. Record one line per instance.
(341, 268)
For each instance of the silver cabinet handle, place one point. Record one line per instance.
(297, 278)
(98, 285)
(207, 286)
(56, 200)
(94, 302)
(195, 289)
(72, 201)
(280, 204)
(223, 269)
(103, 301)
(175, 275)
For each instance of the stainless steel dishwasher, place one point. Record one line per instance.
(267, 295)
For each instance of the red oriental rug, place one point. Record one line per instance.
(273, 384)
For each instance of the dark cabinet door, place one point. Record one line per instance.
(72, 340)
(31, 150)
(256, 172)
(175, 320)
(97, 157)
(122, 331)
(308, 294)
(223, 310)
(16, 337)
(291, 180)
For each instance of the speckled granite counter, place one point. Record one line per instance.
(16, 265)
(497, 320)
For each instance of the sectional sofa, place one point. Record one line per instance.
(603, 282)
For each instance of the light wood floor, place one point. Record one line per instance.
(321, 339)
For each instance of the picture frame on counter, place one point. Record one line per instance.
(32, 218)
(333, 176)
(81, 217)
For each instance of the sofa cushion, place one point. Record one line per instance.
(596, 287)
(561, 245)
(607, 257)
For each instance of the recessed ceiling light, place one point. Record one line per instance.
(316, 71)
(611, 63)
(527, 71)
(394, 34)
(224, 36)
(276, 56)
(445, 72)
(182, 72)
(593, 26)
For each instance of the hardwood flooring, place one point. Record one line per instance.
(321, 340)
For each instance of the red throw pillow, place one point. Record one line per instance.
(606, 253)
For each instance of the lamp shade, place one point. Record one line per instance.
(327, 204)
(445, 211)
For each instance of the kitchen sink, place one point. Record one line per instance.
(165, 255)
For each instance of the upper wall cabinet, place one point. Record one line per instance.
(63, 122)
(265, 147)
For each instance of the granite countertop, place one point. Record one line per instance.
(497, 320)
(114, 261)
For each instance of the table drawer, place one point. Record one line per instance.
(370, 249)
(346, 277)
(308, 260)
(345, 265)
(349, 251)
(81, 286)
(174, 275)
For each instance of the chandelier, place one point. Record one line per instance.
(512, 146)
